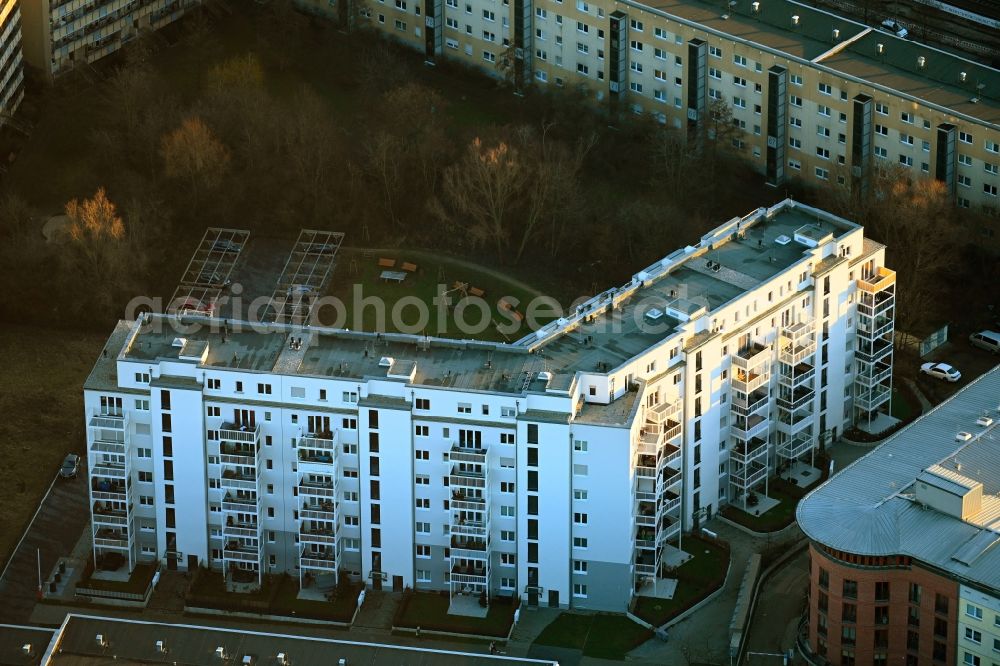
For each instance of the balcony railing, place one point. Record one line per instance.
(471, 528)
(318, 562)
(752, 357)
(748, 382)
(462, 502)
(237, 530)
(880, 280)
(313, 535)
(107, 470)
(326, 441)
(478, 545)
(796, 398)
(749, 476)
(319, 511)
(796, 446)
(664, 411)
(239, 503)
(667, 531)
(233, 432)
(115, 491)
(748, 452)
(746, 404)
(872, 398)
(468, 576)
(232, 480)
(875, 327)
(241, 553)
(671, 479)
(317, 488)
(750, 427)
(670, 502)
(871, 306)
(463, 478)
(797, 376)
(793, 423)
(874, 351)
(314, 457)
(879, 373)
(460, 454)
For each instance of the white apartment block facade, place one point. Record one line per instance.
(813, 95)
(11, 61)
(61, 34)
(561, 468)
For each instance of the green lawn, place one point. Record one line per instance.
(429, 610)
(603, 635)
(278, 596)
(340, 609)
(902, 407)
(697, 578)
(356, 277)
(776, 518)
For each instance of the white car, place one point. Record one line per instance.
(941, 371)
(895, 28)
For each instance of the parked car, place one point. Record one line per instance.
(225, 246)
(988, 340)
(892, 26)
(941, 371)
(70, 466)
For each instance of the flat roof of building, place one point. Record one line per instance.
(135, 642)
(599, 336)
(23, 645)
(870, 508)
(936, 79)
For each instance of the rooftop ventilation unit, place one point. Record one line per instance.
(101, 640)
(756, 7)
(984, 421)
(963, 436)
(220, 652)
(836, 33)
(282, 659)
(160, 646)
(654, 314)
(385, 362)
(26, 649)
(783, 240)
(178, 343)
(545, 375)
(247, 660)
(795, 19)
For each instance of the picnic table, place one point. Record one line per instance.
(386, 263)
(393, 276)
(408, 267)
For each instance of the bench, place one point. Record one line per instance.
(386, 263)
(476, 291)
(408, 267)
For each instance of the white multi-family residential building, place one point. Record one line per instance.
(11, 62)
(563, 468)
(61, 34)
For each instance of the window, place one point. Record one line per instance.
(906, 160)
(990, 168)
(795, 100)
(422, 403)
(635, 25)
(973, 635)
(636, 66)
(881, 591)
(423, 528)
(971, 659)
(739, 60)
(823, 110)
(882, 109)
(423, 552)
(823, 153)
(635, 87)
(421, 454)
(964, 159)
(906, 138)
(990, 190)
(422, 430)
(992, 146)
(740, 81)
(489, 57)
(506, 535)
(881, 129)
(796, 79)
(580, 542)
(579, 518)
(965, 137)
(580, 495)
(825, 88)
(636, 46)
(506, 486)
(715, 51)
(974, 611)
(849, 613)
(579, 446)
(824, 578)
(422, 503)
(584, 28)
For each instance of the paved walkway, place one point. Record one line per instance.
(52, 534)
(779, 608)
(925, 404)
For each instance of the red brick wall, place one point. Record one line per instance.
(899, 580)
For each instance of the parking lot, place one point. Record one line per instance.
(52, 534)
(970, 361)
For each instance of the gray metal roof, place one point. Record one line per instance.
(131, 641)
(869, 508)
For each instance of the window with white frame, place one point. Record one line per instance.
(579, 590)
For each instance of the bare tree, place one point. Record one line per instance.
(483, 187)
(192, 153)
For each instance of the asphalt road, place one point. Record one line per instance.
(52, 534)
(779, 608)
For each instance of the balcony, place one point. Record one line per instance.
(466, 478)
(796, 398)
(745, 453)
(471, 528)
(109, 470)
(670, 528)
(792, 423)
(671, 502)
(645, 514)
(319, 489)
(115, 491)
(749, 476)
(748, 382)
(669, 477)
(232, 480)
(239, 552)
(239, 433)
(877, 374)
(109, 514)
(461, 501)
(882, 279)
(797, 375)
(871, 399)
(324, 561)
(796, 446)
(317, 535)
(233, 530)
(871, 306)
(750, 427)
(316, 461)
(479, 546)
(239, 503)
(874, 351)
(875, 327)
(319, 510)
(107, 538)
(796, 344)
(238, 454)
(668, 454)
(746, 404)
(465, 575)
(752, 357)
(461, 454)
(645, 538)
(663, 412)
